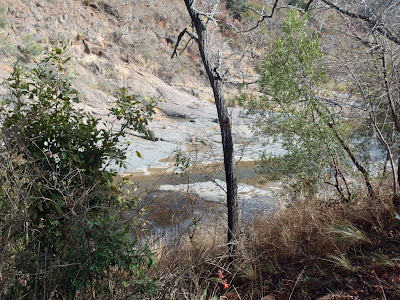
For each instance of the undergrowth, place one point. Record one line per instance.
(308, 250)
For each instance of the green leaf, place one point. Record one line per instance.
(139, 155)
(125, 284)
(59, 210)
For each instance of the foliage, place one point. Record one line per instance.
(63, 215)
(3, 18)
(292, 112)
(237, 6)
(6, 46)
(183, 163)
(30, 48)
(299, 3)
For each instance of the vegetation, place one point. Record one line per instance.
(323, 83)
(60, 220)
(236, 6)
(3, 18)
(31, 49)
(290, 110)
(6, 47)
(324, 242)
(308, 250)
(299, 3)
(326, 145)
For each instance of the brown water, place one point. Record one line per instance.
(155, 177)
(167, 208)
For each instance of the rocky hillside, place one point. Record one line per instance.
(116, 44)
(113, 43)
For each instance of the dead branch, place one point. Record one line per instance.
(371, 23)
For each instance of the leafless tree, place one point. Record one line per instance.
(212, 65)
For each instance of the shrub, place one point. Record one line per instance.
(3, 18)
(59, 208)
(6, 47)
(299, 3)
(30, 48)
(236, 6)
(292, 113)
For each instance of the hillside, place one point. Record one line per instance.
(123, 44)
(112, 40)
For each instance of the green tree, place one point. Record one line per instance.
(292, 112)
(65, 226)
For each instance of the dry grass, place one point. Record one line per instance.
(188, 267)
(315, 228)
(308, 248)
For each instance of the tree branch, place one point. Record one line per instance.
(308, 5)
(363, 171)
(371, 23)
(262, 16)
(192, 37)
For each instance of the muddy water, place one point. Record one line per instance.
(155, 177)
(166, 209)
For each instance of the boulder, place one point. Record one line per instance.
(90, 48)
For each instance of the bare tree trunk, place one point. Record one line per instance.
(395, 116)
(216, 83)
(353, 158)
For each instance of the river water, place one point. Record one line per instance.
(174, 201)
